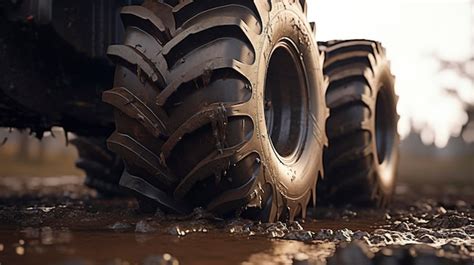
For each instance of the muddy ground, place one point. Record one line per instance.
(55, 220)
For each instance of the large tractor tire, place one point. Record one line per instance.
(362, 157)
(220, 105)
(102, 167)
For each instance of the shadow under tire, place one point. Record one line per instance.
(362, 157)
(219, 105)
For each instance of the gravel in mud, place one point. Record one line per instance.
(60, 222)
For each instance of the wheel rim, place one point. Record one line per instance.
(286, 103)
(385, 125)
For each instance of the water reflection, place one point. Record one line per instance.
(293, 252)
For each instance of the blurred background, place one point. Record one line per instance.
(431, 47)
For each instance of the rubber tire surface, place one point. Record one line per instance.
(189, 107)
(103, 168)
(359, 75)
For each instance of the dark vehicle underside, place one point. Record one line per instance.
(54, 65)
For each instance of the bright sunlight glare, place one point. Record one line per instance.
(416, 33)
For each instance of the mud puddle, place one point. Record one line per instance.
(70, 225)
(105, 236)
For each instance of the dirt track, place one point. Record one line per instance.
(58, 221)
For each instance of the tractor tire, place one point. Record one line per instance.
(220, 105)
(362, 157)
(102, 167)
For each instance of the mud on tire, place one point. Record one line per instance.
(220, 104)
(361, 160)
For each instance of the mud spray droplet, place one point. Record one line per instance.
(20, 250)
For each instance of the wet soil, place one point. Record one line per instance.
(55, 220)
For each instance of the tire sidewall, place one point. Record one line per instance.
(387, 171)
(296, 179)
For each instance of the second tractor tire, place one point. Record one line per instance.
(362, 158)
(103, 168)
